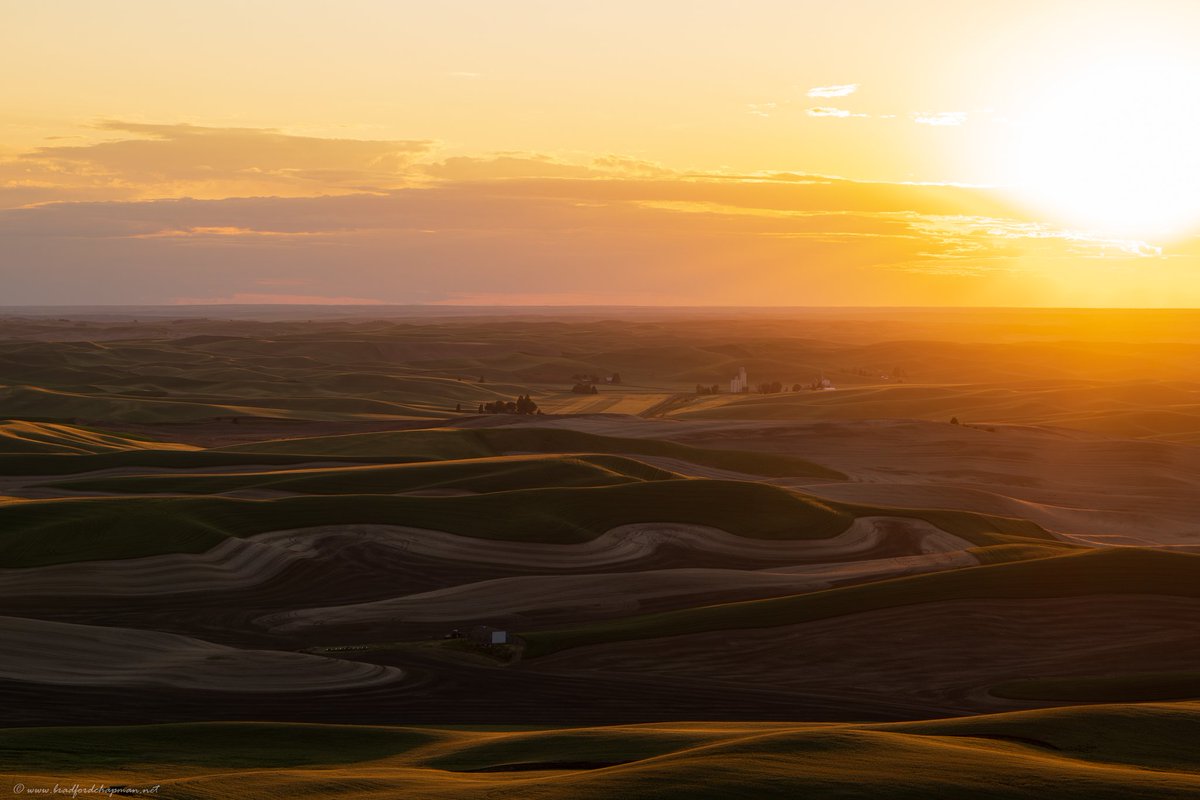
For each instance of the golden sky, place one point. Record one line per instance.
(918, 152)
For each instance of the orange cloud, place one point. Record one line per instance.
(194, 161)
(683, 240)
(507, 228)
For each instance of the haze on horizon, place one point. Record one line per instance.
(776, 153)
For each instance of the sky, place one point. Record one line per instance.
(864, 152)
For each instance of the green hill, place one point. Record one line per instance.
(65, 530)
(471, 475)
(1097, 753)
(27, 438)
(1115, 571)
(452, 443)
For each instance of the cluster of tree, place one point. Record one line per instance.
(582, 377)
(763, 388)
(585, 388)
(522, 405)
(775, 387)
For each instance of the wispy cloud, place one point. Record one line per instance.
(940, 118)
(154, 161)
(839, 90)
(762, 109)
(150, 162)
(1084, 244)
(965, 244)
(828, 111)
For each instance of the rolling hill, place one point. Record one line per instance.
(267, 557)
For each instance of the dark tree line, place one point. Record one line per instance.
(524, 404)
(583, 377)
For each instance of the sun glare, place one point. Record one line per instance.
(1113, 146)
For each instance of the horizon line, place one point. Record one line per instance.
(367, 307)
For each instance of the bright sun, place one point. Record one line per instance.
(1114, 147)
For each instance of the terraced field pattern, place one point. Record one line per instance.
(243, 556)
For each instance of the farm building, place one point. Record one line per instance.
(482, 634)
(740, 382)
